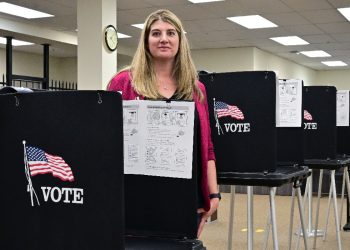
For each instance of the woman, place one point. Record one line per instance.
(162, 68)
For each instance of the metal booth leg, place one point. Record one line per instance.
(342, 196)
(268, 227)
(301, 215)
(318, 206)
(336, 217)
(230, 225)
(328, 209)
(290, 236)
(348, 189)
(267, 231)
(250, 217)
(310, 203)
(306, 195)
(273, 218)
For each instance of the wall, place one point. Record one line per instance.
(245, 59)
(214, 60)
(61, 68)
(224, 60)
(338, 78)
(284, 68)
(29, 64)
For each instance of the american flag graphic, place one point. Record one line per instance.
(222, 109)
(40, 162)
(307, 116)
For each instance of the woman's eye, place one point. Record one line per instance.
(156, 33)
(171, 33)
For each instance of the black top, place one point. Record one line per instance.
(196, 151)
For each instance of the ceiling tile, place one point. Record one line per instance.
(290, 18)
(323, 16)
(307, 4)
(265, 6)
(333, 28)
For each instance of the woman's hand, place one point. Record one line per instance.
(214, 204)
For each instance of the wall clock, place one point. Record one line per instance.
(111, 37)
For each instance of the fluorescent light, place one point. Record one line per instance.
(315, 53)
(204, 1)
(289, 40)
(345, 12)
(15, 42)
(121, 35)
(21, 11)
(252, 22)
(334, 63)
(138, 25)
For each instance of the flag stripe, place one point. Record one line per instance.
(52, 169)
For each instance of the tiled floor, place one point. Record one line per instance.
(215, 233)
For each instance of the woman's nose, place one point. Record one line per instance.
(163, 37)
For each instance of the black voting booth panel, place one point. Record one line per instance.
(343, 149)
(161, 212)
(250, 157)
(343, 140)
(245, 142)
(84, 128)
(290, 145)
(320, 122)
(158, 243)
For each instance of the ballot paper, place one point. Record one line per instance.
(288, 103)
(343, 108)
(158, 138)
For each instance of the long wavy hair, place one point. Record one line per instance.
(142, 71)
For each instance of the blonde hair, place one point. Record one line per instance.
(184, 72)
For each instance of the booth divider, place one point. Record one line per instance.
(62, 166)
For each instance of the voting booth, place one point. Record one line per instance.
(242, 117)
(320, 122)
(290, 140)
(343, 135)
(343, 128)
(242, 112)
(160, 200)
(62, 162)
(320, 134)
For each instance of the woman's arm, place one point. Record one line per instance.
(213, 188)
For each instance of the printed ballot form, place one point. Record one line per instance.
(343, 108)
(288, 103)
(158, 138)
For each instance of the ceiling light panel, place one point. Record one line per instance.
(16, 10)
(315, 53)
(121, 35)
(253, 22)
(138, 25)
(289, 40)
(345, 12)
(334, 63)
(204, 1)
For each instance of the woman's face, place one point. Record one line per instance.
(163, 41)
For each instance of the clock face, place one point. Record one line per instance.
(111, 37)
